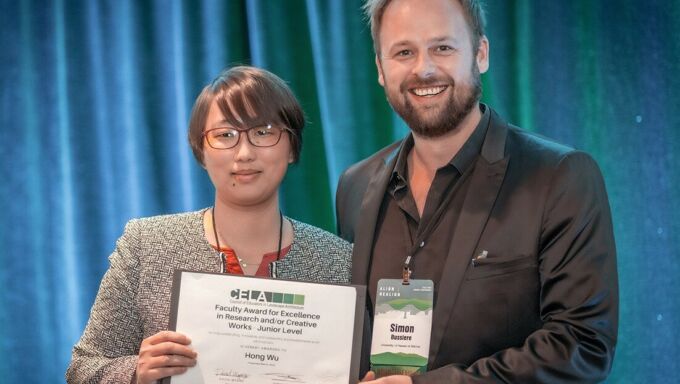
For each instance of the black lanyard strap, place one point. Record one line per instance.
(431, 225)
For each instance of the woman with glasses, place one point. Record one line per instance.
(245, 129)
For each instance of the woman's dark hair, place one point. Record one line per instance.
(247, 97)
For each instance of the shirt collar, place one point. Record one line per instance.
(473, 146)
(461, 160)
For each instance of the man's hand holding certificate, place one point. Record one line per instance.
(250, 330)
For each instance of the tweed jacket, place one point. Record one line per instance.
(133, 301)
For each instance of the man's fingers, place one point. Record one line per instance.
(370, 376)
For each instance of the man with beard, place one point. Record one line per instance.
(513, 230)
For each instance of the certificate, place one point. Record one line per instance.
(254, 330)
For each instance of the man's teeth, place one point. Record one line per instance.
(429, 91)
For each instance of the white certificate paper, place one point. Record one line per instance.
(252, 330)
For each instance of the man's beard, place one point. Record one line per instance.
(439, 122)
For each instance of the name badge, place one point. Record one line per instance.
(401, 327)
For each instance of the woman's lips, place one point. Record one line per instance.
(245, 175)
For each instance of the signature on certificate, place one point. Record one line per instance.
(220, 372)
(284, 378)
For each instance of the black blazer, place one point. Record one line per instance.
(543, 305)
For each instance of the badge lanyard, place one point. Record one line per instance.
(429, 228)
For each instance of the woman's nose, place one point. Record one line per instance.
(245, 151)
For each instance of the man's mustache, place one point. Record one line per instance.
(419, 82)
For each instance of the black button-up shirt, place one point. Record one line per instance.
(399, 224)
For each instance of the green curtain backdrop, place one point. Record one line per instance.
(95, 97)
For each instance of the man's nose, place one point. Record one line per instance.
(425, 67)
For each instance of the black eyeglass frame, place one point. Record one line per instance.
(246, 130)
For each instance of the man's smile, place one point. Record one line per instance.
(428, 91)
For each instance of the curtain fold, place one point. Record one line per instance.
(96, 95)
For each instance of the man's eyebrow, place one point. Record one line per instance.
(400, 43)
(444, 39)
(435, 40)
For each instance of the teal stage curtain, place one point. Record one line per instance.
(95, 98)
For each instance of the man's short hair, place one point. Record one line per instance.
(474, 15)
(247, 96)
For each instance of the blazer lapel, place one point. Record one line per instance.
(365, 229)
(485, 183)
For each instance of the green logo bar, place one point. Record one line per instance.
(268, 297)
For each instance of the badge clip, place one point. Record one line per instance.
(406, 273)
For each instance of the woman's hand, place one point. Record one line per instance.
(164, 354)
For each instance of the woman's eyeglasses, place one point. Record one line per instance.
(260, 136)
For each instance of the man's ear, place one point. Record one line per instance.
(483, 55)
(381, 78)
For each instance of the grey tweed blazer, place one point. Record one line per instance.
(133, 301)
